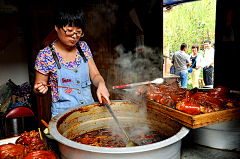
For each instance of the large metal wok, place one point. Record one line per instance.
(78, 120)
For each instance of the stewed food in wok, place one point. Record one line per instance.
(109, 137)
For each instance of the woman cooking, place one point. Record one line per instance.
(68, 62)
(196, 60)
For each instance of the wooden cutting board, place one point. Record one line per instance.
(191, 121)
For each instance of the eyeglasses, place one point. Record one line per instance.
(70, 32)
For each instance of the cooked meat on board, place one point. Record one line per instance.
(28, 145)
(193, 101)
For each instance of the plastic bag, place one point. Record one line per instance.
(5, 97)
(20, 90)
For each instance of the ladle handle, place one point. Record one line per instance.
(131, 85)
(115, 118)
(104, 101)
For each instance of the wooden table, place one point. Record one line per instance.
(170, 78)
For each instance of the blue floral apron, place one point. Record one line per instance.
(75, 78)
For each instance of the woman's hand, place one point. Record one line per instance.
(40, 89)
(103, 91)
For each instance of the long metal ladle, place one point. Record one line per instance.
(130, 142)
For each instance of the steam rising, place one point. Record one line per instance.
(137, 115)
(133, 67)
(136, 67)
(144, 66)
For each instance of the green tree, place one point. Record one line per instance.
(190, 23)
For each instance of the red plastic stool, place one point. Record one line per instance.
(15, 121)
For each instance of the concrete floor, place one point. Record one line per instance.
(192, 150)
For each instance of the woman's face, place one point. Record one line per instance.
(194, 50)
(69, 35)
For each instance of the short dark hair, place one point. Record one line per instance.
(195, 46)
(207, 41)
(183, 45)
(70, 15)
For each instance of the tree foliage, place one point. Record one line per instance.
(190, 23)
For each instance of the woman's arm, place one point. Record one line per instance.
(40, 79)
(98, 81)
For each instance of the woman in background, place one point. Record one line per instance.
(196, 60)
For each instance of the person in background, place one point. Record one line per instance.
(208, 63)
(68, 62)
(181, 61)
(197, 60)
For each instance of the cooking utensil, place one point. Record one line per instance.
(69, 124)
(46, 130)
(44, 123)
(233, 91)
(58, 86)
(40, 133)
(156, 81)
(130, 142)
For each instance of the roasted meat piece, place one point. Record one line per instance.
(223, 95)
(36, 144)
(189, 101)
(206, 109)
(12, 151)
(26, 137)
(162, 93)
(219, 91)
(177, 97)
(166, 88)
(165, 99)
(205, 100)
(31, 141)
(39, 154)
(24, 140)
(151, 94)
(27, 143)
(188, 105)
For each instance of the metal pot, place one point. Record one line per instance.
(78, 120)
(224, 135)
